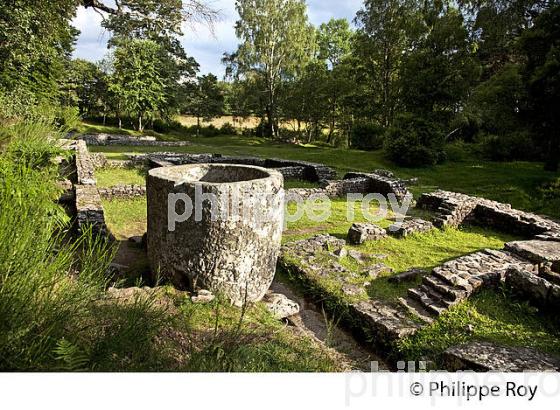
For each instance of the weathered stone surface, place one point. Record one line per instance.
(364, 232)
(408, 276)
(89, 211)
(222, 249)
(538, 290)
(454, 209)
(458, 279)
(382, 182)
(408, 227)
(549, 274)
(115, 139)
(122, 192)
(487, 357)
(382, 322)
(539, 252)
(385, 323)
(374, 271)
(359, 256)
(280, 305)
(68, 195)
(85, 169)
(291, 169)
(203, 296)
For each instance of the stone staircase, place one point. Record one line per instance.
(458, 279)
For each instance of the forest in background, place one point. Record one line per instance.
(408, 76)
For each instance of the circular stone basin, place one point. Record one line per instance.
(216, 227)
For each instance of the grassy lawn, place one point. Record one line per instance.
(108, 177)
(512, 182)
(256, 342)
(491, 316)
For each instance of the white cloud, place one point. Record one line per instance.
(199, 42)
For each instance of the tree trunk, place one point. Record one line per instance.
(197, 126)
(140, 126)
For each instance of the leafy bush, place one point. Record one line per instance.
(413, 142)
(67, 118)
(367, 136)
(458, 151)
(228, 129)
(210, 131)
(163, 126)
(513, 146)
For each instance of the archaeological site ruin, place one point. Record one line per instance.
(336, 274)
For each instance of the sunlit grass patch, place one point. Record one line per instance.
(126, 218)
(491, 316)
(109, 177)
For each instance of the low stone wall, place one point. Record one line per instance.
(303, 170)
(454, 209)
(382, 182)
(85, 167)
(488, 357)
(381, 323)
(534, 288)
(122, 192)
(88, 207)
(115, 139)
(89, 211)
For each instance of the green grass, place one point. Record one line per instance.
(126, 218)
(109, 177)
(494, 317)
(260, 344)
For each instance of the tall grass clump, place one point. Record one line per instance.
(54, 311)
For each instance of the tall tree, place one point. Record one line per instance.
(335, 41)
(36, 40)
(137, 79)
(335, 46)
(205, 100)
(387, 29)
(438, 74)
(275, 37)
(541, 45)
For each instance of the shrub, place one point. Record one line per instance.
(51, 312)
(164, 126)
(413, 142)
(514, 146)
(457, 151)
(367, 136)
(67, 118)
(228, 129)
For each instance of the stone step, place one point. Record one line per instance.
(430, 304)
(416, 309)
(442, 287)
(437, 296)
(453, 280)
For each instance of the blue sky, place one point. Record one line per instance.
(198, 41)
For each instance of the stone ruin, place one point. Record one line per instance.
(530, 268)
(232, 256)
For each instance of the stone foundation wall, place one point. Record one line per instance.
(454, 209)
(122, 192)
(85, 166)
(303, 170)
(112, 139)
(382, 182)
(88, 208)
